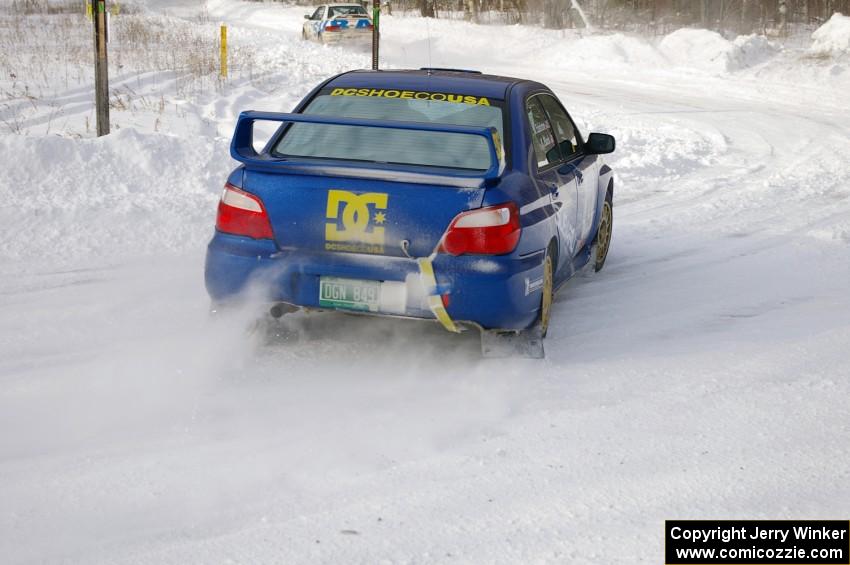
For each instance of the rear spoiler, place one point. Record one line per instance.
(242, 149)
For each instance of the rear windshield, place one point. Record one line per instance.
(382, 145)
(343, 11)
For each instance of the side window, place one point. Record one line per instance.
(542, 139)
(565, 132)
(317, 15)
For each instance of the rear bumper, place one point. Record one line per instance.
(494, 292)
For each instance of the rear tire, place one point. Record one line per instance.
(602, 241)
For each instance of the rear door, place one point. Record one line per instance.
(560, 181)
(582, 167)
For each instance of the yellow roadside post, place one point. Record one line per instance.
(223, 50)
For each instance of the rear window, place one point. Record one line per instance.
(382, 145)
(345, 11)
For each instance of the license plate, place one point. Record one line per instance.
(351, 294)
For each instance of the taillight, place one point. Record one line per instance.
(331, 27)
(494, 230)
(241, 213)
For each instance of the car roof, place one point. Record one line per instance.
(434, 80)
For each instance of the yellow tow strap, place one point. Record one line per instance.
(435, 301)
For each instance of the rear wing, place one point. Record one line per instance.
(242, 149)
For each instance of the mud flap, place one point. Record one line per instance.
(526, 344)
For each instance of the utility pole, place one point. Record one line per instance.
(101, 69)
(376, 32)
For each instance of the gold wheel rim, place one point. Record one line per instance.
(604, 238)
(546, 306)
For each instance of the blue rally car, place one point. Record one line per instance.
(447, 195)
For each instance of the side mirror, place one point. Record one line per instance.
(599, 144)
(306, 16)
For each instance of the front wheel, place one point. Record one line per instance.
(602, 241)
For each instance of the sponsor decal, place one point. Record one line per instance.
(356, 220)
(413, 95)
(533, 285)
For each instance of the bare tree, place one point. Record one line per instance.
(426, 8)
(470, 10)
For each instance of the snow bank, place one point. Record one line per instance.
(833, 37)
(615, 49)
(128, 192)
(709, 51)
(697, 47)
(663, 153)
(411, 42)
(751, 50)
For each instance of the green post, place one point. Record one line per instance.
(376, 32)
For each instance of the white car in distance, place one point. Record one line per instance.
(335, 23)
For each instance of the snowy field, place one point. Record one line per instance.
(704, 373)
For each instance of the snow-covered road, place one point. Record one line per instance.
(702, 374)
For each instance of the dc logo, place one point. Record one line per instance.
(352, 216)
